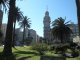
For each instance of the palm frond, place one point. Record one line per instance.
(4, 4)
(18, 14)
(25, 22)
(60, 30)
(67, 22)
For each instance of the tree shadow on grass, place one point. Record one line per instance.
(16, 49)
(52, 58)
(10, 57)
(26, 52)
(23, 58)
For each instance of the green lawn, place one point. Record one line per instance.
(25, 53)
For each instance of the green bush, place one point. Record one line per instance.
(40, 47)
(75, 54)
(60, 48)
(51, 48)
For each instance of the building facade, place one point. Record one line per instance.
(29, 34)
(18, 36)
(46, 22)
(33, 35)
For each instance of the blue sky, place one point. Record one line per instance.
(35, 10)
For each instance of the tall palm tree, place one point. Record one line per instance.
(1, 34)
(18, 17)
(78, 14)
(7, 51)
(25, 24)
(60, 30)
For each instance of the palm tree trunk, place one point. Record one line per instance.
(7, 51)
(61, 37)
(13, 42)
(78, 14)
(23, 34)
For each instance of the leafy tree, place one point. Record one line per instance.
(60, 30)
(25, 24)
(18, 17)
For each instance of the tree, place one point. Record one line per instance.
(4, 4)
(25, 24)
(78, 14)
(60, 30)
(7, 51)
(18, 17)
(1, 35)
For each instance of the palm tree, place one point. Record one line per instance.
(18, 17)
(1, 34)
(7, 51)
(25, 24)
(78, 14)
(4, 4)
(60, 30)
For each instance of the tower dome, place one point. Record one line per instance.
(46, 13)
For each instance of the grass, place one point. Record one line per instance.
(25, 53)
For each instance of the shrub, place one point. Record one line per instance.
(60, 47)
(41, 47)
(75, 54)
(51, 48)
(73, 45)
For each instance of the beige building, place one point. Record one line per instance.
(47, 29)
(75, 30)
(46, 22)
